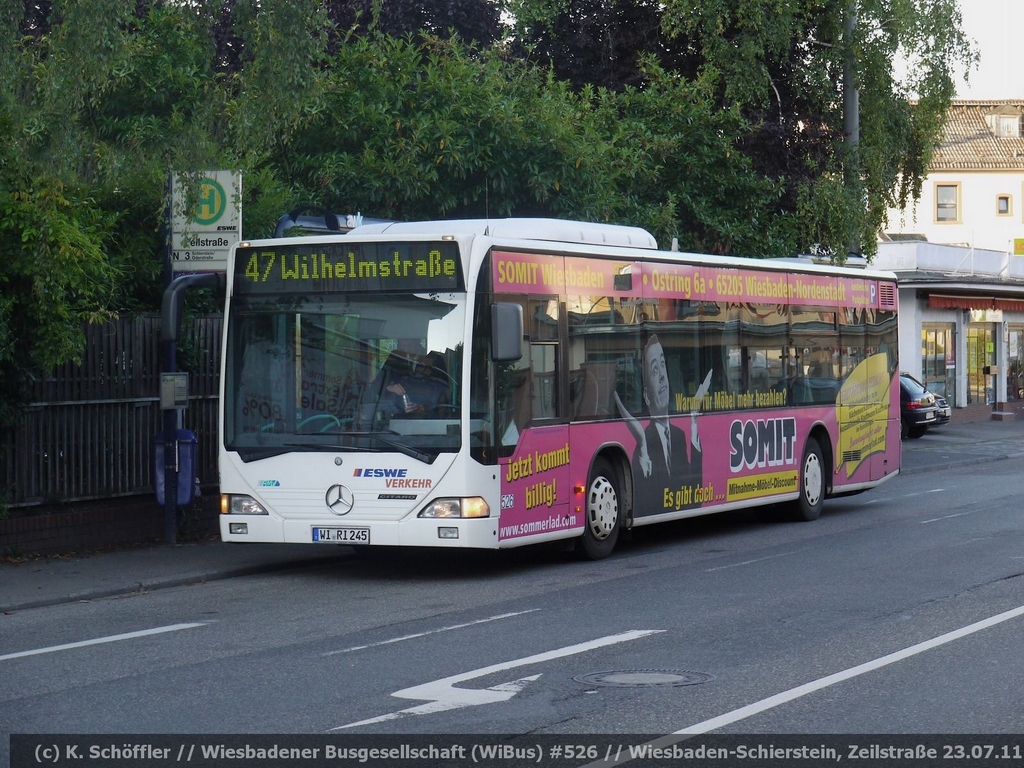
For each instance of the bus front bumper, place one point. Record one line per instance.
(481, 533)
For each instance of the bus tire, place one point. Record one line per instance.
(601, 527)
(808, 505)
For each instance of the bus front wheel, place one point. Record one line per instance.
(808, 505)
(601, 530)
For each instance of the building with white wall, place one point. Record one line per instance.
(974, 192)
(959, 256)
(961, 320)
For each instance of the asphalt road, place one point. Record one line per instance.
(899, 611)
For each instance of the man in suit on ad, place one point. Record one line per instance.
(665, 461)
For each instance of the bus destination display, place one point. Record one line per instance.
(304, 267)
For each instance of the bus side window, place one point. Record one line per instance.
(528, 388)
(544, 395)
(601, 356)
(513, 401)
(513, 381)
(543, 357)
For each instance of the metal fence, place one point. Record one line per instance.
(88, 430)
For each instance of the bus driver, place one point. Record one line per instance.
(410, 383)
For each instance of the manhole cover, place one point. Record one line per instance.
(626, 678)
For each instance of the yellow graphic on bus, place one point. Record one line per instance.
(767, 484)
(862, 408)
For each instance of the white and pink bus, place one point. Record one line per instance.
(500, 383)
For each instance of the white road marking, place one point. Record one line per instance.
(430, 632)
(748, 562)
(816, 685)
(442, 694)
(922, 493)
(945, 517)
(870, 666)
(101, 640)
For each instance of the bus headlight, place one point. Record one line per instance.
(232, 504)
(474, 506)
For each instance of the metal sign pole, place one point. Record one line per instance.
(169, 413)
(170, 461)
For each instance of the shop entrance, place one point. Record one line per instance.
(1015, 364)
(981, 351)
(938, 359)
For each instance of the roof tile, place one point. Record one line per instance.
(969, 143)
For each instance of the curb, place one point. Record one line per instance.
(960, 462)
(141, 587)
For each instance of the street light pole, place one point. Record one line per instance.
(851, 110)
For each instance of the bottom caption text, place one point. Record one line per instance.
(508, 751)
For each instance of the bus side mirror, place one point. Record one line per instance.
(506, 332)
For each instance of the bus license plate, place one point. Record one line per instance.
(342, 535)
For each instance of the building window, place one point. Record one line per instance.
(947, 203)
(1009, 126)
(1005, 126)
(1003, 205)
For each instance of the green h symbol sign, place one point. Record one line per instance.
(212, 202)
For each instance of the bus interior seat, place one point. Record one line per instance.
(598, 386)
(799, 392)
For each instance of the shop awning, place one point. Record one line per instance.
(939, 301)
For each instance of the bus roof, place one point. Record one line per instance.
(555, 230)
(579, 233)
(583, 232)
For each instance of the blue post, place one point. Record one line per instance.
(170, 460)
(171, 312)
(170, 414)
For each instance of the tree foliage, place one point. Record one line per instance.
(598, 42)
(713, 122)
(473, 21)
(53, 274)
(780, 63)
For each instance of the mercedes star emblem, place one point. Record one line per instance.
(339, 499)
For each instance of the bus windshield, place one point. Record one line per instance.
(328, 371)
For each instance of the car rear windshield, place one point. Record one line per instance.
(913, 385)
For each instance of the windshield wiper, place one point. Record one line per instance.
(326, 447)
(408, 450)
(255, 454)
(269, 451)
(266, 452)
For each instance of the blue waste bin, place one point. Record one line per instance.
(186, 466)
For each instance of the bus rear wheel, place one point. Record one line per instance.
(601, 529)
(808, 505)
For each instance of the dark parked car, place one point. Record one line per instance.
(918, 410)
(945, 411)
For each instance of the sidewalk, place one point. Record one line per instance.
(49, 580)
(969, 438)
